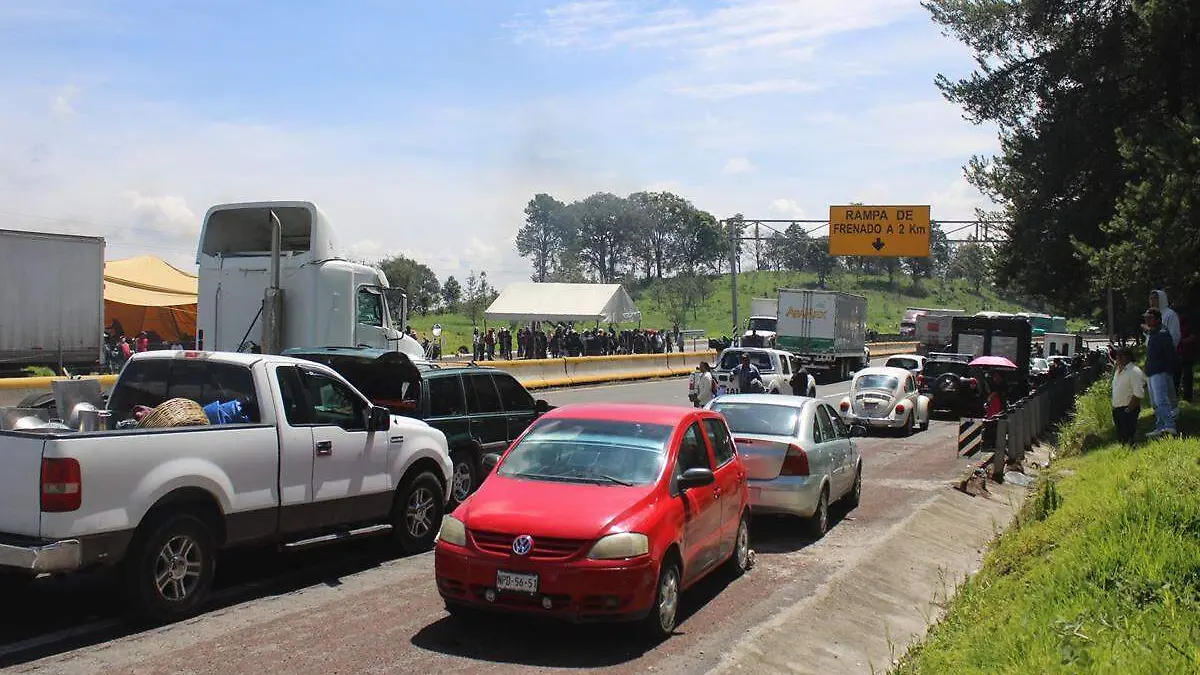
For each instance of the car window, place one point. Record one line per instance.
(207, 382)
(877, 382)
(784, 365)
(758, 418)
(513, 396)
(445, 396)
(839, 427)
(718, 436)
(901, 362)
(692, 452)
(482, 397)
(142, 383)
(370, 307)
(331, 403)
(292, 393)
(731, 358)
(818, 432)
(828, 433)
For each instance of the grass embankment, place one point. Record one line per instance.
(885, 305)
(1101, 572)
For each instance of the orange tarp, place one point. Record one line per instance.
(147, 294)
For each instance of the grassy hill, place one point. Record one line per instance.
(885, 305)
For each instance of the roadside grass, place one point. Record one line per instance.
(713, 315)
(39, 371)
(1101, 571)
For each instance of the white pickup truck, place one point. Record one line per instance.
(311, 462)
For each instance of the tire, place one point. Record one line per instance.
(910, 424)
(659, 624)
(169, 572)
(854, 497)
(818, 523)
(418, 512)
(465, 475)
(739, 560)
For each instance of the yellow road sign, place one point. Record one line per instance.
(880, 231)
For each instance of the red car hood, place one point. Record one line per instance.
(551, 509)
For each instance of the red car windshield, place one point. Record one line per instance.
(605, 452)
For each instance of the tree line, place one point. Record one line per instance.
(1098, 174)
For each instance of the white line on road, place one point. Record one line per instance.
(61, 636)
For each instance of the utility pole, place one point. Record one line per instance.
(733, 256)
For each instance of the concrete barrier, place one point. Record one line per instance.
(13, 389)
(596, 369)
(891, 348)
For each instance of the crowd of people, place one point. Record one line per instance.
(542, 340)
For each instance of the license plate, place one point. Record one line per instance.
(517, 582)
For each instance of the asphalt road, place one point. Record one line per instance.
(360, 608)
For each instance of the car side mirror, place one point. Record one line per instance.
(379, 418)
(694, 478)
(858, 431)
(490, 460)
(541, 407)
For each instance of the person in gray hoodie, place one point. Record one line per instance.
(1160, 371)
(1170, 324)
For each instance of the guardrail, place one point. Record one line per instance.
(533, 373)
(1009, 436)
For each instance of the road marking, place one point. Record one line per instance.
(64, 635)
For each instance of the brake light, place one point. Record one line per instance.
(899, 407)
(62, 485)
(795, 462)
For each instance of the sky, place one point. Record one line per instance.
(423, 128)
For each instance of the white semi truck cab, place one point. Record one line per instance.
(326, 300)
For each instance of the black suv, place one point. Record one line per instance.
(481, 410)
(947, 381)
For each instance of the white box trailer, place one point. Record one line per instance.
(935, 331)
(51, 301)
(825, 329)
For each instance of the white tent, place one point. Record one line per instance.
(608, 303)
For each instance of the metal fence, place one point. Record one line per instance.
(1009, 436)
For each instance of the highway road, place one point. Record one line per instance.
(360, 608)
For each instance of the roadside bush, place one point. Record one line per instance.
(1092, 425)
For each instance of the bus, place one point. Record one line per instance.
(1040, 323)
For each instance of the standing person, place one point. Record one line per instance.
(476, 346)
(802, 382)
(1128, 390)
(489, 343)
(1170, 323)
(745, 374)
(143, 342)
(1186, 361)
(706, 385)
(1160, 369)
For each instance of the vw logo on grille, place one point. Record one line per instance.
(523, 544)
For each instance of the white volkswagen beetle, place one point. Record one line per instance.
(887, 398)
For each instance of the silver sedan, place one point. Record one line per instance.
(799, 455)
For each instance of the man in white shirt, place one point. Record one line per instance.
(1128, 390)
(706, 386)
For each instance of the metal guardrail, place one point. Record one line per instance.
(1009, 436)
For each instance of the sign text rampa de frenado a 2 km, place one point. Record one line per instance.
(881, 231)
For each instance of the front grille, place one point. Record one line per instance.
(544, 548)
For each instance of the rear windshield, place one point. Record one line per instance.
(877, 382)
(907, 364)
(759, 418)
(763, 323)
(936, 368)
(730, 360)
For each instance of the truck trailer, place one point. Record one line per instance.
(827, 330)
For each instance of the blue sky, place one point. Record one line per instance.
(423, 128)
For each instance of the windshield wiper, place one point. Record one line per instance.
(607, 478)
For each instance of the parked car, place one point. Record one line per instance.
(296, 457)
(949, 383)
(882, 397)
(600, 512)
(799, 455)
(915, 363)
(775, 365)
(479, 409)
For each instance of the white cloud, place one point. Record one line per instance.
(787, 208)
(723, 90)
(61, 106)
(737, 165)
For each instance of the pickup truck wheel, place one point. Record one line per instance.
(419, 512)
(169, 572)
(463, 479)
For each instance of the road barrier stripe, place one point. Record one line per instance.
(970, 437)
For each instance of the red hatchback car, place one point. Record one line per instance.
(600, 512)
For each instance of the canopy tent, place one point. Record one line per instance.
(147, 294)
(563, 302)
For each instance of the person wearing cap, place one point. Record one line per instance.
(1128, 390)
(1160, 372)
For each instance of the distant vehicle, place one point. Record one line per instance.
(913, 363)
(913, 315)
(1039, 324)
(600, 512)
(1011, 338)
(935, 330)
(799, 455)
(888, 398)
(1067, 363)
(827, 330)
(947, 381)
(775, 365)
(760, 327)
(1039, 366)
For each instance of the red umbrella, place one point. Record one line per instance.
(993, 361)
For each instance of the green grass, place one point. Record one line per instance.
(1101, 573)
(885, 306)
(39, 371)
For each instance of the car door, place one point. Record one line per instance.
(824, 458)
(837, 439)
(783, 383)
(444, 407)
(701, 507)
(517, 402)
(297, 453)
(351, 481)
(488, 423)
(730, 480)
(850, 451)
